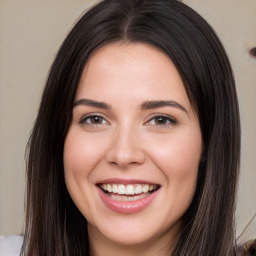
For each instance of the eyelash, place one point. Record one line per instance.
(167, 120)
(90, 117)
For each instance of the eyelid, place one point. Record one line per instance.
(172, 120)
(82, 120)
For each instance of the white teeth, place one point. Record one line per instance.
(127, 198)
(131, 189)
(115, 188)
(121, 190)
(138, 189)
(109, 188)
(145, 189)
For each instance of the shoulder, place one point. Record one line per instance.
(10, 245)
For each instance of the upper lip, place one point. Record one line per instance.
(125, 181)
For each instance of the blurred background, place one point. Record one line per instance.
(31, 32)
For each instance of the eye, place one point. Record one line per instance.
(162, 120)
(93, 120)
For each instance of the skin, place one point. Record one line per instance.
(131, 142)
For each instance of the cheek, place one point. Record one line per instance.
(81, 153)
(178, 154)
(178, 158)
(79, 158)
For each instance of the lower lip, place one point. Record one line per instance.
(128, 207)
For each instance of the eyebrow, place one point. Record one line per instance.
(145, 105)
(162, 103)
(92, 103)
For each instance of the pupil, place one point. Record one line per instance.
(96, 120)
(161, 120)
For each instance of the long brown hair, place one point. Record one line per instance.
(54, 226)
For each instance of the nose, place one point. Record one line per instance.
(125, 149)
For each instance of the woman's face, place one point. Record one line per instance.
(132, 152)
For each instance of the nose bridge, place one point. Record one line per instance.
(126, 147)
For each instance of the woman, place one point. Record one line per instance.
(136, 147)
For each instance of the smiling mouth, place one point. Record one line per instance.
(129, 192)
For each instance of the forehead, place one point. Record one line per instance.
(138, 57)
(134, 69)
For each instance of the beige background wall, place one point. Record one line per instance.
(30, 34)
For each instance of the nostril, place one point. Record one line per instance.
(124, 156)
